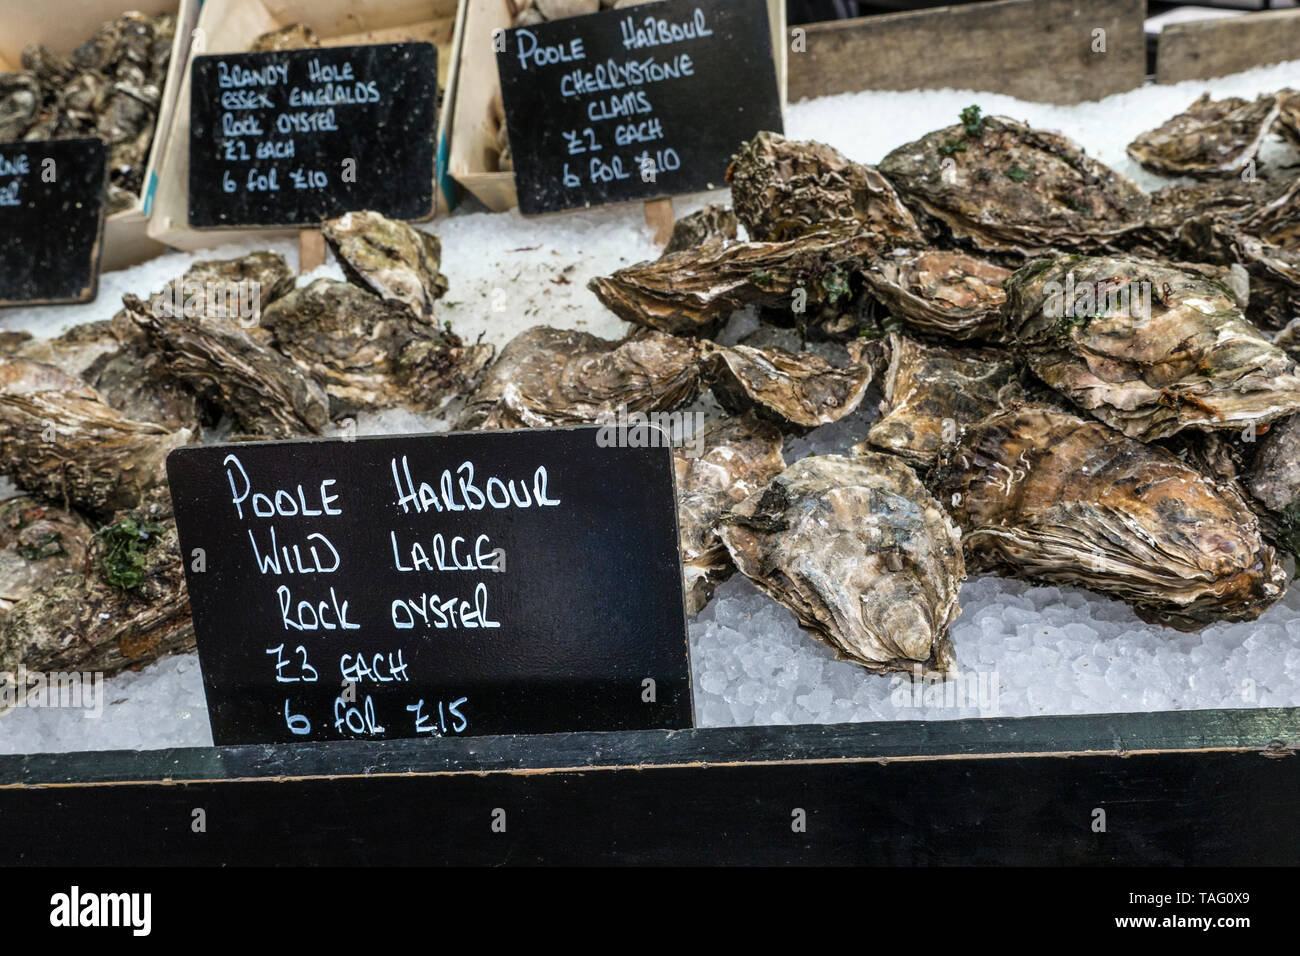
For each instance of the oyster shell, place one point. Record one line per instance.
(261, 389)
(940, 293)
(369, 353)
(736, 457)
(932, 393)
(547, 377)
(392, 259)
(1006, 187)
(20, 101)
(294, 36)
(127, 378)
(1274, 271)
(80, 620)
(1209, 138)
(693, 291)
(1288, 115)
(37, 542)
(1147, 348)
(64, 444)
(859, 551)
(799, 391)
(715, 222)
(783, 189)
(1050, 496)
(1274, 480)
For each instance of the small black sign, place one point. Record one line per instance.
(51, 220)
(294, 137)
(477, 583)
(637, 103)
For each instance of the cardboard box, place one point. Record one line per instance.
(473, 142)
(231, 26)
(63, 25)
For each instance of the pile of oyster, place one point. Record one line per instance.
(110, 87)
(1047, 373)
(90, 568)
(1078, 382)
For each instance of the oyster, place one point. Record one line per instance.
(1274, 271)
(547, 377)
(932, 393)
(20, 101)
(737, 456)
(1209, 138)
(940, 293)
(129, 607)
(714, 222)
(1005, 187)
(64, 444)
(37, 542)
(783, 189)
(233, 290)
(1274, 481)
(294, 36)
(392, 259)
(262, 390)
(1288, 116)
(369, 353)
(110, 87)
(693, 291)
(859, 551)
(799, 391)
(1145, 347)
(1050, 496)
(127, 377)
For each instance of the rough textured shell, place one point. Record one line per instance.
(1051, 496)
(736, 456)
(798, 390)
(859, 551)
(940, 293)
(1209, 138)
(1006, 187)
(1147, 348)
(932, 394)
(392, 259)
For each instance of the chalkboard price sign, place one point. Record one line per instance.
(438, 585)
(637, 103)
(294, 137)
(51, 220)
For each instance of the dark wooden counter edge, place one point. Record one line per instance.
(1272, 731)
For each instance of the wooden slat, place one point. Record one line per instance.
(1205, 48)
(1038, 50)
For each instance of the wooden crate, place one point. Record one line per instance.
(1177, 787)
(1202, 49)
(229, 26)
(62, 25)
(1041, 50)
(473, 140)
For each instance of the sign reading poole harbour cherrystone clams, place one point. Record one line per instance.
(294, 137)
(479, 583)
(51, 220)
(638, 103)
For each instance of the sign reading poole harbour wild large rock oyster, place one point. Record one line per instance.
(427, 586)
(634, 104)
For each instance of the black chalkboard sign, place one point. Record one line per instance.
(637, 103)
(293, 137)
(477, 583)
(51, 220)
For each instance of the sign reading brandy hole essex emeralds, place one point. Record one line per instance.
(293, 137)
(51, 220)
(434, 585)
(647, 101)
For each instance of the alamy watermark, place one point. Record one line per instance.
(623, 429)
(74, 690)
(960, 689)
(1086, 299)
(238, 301)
